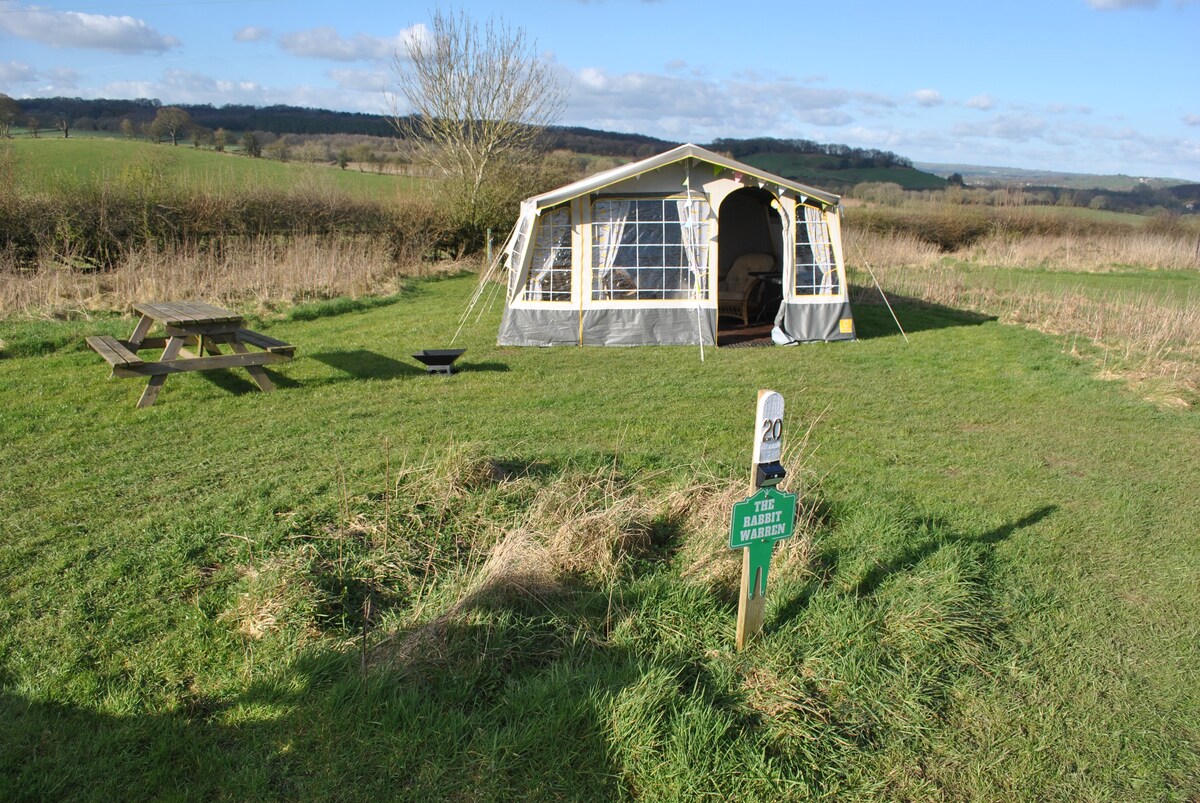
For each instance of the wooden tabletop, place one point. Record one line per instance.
(184, 313)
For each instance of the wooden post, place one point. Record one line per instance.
(750, 611)
(768, 442)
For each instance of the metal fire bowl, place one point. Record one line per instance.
(438, 361)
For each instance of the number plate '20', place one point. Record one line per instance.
(769, 428)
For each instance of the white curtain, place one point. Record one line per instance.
(818, 237)
(608, 227)
(693, 228)
(516, 253)
(542, 261)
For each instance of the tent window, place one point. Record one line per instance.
(517, 249)
(650, 249)
(816, 273)
(550, 265)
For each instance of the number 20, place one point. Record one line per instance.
(772, 429)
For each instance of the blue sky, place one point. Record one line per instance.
(1096, 86)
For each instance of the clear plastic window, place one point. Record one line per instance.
(550, 267)
(816, 271)
(650, 249)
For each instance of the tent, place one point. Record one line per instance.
(653, 252)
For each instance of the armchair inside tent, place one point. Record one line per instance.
(741, 292)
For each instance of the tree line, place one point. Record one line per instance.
(101, 114)
(846, 156)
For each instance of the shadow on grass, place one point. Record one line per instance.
(910, 557)
(239, 383)
(872, 319)
(322, 729)
(824, 564)
(364, 364)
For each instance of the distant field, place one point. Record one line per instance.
(1166, 286)
(1012, 175)
(810, 169)
(47, 160)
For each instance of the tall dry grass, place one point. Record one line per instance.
(1149, 340)
(1095, 253)
(261, 271)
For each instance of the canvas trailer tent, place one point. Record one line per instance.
(654, 252)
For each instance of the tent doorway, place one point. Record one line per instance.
(749, 261)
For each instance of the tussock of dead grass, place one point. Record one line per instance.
(705, 508)
(593, 524)
(277, 596)
(705, 556)
(429, 558)
(518, 570)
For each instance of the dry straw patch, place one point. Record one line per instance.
(1092, 253)
(581, 526)
(705, 556)
(277, 597)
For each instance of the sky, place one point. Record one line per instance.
(1089, 86)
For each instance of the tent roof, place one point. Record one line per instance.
(609, 177)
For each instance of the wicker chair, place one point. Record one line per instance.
(739, 292)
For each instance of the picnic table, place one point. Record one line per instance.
(193, 335)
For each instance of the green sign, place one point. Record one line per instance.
(769, 515)
(758, 522)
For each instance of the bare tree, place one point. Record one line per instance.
(33, 125)
(8, 115)
(173, 122)
(478, 98)
(250, 145)
(63, 124)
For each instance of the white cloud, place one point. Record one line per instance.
(376, 81)
(1067, 108)
(981, 102)
(1117, 5)
(61, 79)
(72, 29)
(927, 97)
(326, 43)
(17, 72)
(690, 108)
(1014, 127)
(1191, 119)
(828, 118)
(37, 83)
(252, 33)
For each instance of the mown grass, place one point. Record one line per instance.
(362, 585)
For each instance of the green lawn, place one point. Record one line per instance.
(1001, 601)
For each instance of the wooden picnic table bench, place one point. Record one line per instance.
(194, 333)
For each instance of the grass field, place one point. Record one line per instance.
(367, 584)
(69, 162)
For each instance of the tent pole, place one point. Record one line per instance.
(882, 294)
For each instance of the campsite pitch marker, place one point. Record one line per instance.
(766, 516)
